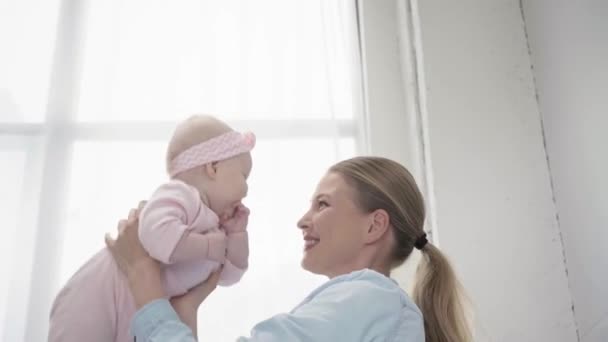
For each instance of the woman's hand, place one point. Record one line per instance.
(127, 249)
(187, 304)
(141, 270)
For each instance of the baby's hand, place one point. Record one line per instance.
(238, 222)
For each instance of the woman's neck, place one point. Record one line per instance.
(364, 261)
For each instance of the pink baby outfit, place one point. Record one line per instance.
(176, 214)
(176, 228)
(96, 304)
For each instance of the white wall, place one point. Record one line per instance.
(569, 45)
(390, 118)
(495, 215)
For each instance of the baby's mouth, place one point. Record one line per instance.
(228, 214)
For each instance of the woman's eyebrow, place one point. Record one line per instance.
(317, 197)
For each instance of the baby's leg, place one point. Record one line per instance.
(85, 308)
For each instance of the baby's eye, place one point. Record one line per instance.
(322, 204)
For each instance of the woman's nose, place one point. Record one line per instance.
(304, 222)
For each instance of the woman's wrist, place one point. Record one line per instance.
(145, 281)
(187, 313)
(184, 307)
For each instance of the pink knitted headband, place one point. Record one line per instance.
(219, 148)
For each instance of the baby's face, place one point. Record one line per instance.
(230, 185)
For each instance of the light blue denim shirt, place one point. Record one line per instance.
(360, 306)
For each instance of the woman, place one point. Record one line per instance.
(365, 219)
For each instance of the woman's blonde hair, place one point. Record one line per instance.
(381, 183)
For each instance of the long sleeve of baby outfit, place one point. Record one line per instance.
(173, 226)
(237, 258)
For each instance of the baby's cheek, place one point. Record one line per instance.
(242, 189)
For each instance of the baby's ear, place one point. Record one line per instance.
(210, 169)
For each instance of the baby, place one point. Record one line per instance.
(192, 224)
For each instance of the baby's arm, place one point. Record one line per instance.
(195, 246)
(237, 257)
(166, 223)
(236, 263)
(238, 249)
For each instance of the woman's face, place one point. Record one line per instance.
(333, 229)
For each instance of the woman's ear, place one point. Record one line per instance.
(210, 170)
(379, 225)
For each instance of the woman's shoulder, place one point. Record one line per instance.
(367, 279)
(360, 306)
(369, 300)
(365, 288)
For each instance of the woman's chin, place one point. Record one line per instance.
(306, 262)
(309, 265)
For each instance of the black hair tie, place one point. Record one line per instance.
(421, 242)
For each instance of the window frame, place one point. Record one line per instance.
(390, 122)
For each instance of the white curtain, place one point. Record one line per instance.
(89, 93)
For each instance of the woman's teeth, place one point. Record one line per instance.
(308, 244)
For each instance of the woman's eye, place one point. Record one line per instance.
(323, 204)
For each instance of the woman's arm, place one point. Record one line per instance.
(159, 321)
(187, 305)
(155, 315)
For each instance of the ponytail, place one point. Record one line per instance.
(441, 298)
(383, 183)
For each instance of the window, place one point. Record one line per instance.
(12, 159)
(87, 102)
(26, 39)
